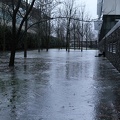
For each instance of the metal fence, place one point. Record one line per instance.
(110, 44)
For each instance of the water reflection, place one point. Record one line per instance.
(106, 88)
(18, 88)
(59, 86)
(25, 65)
(8, 95)
(13, 98)
(73, 70)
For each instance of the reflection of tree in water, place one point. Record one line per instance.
(8, 94)
(14, 96)
(73, 70)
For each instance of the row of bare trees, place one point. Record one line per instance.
(75, 25)
(62, 19)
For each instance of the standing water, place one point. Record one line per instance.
(57, 85)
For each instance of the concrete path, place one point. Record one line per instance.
(57, 85)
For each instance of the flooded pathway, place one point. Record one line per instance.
(58, 85)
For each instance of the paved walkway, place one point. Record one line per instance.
(57, 85)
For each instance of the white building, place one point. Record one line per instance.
(108, 12)
(108, 7)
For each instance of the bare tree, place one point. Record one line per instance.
(88, 31)
(83, 25)
(14, 10)
(46, 9)
(44, 22)
(59, 28)
(69, 12)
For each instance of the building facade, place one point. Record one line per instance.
(108, 12)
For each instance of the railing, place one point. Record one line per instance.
(110, 44)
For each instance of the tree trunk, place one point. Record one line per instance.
(74, 37)
(25, 47)
(12, 57)
(69, 42)
(26, 22)
(48, 35)
(25, 41)
(13, 42)
(86, 41)
(4, 30)
(67, 37)
(16, 33)
(66, 42)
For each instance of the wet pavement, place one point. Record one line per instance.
(58, 85)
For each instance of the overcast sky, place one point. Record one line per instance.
(91, 7)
